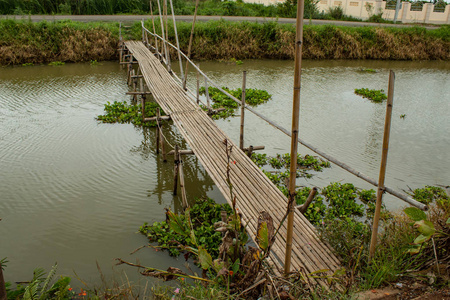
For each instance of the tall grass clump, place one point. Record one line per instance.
(26, 42)
(246, 40)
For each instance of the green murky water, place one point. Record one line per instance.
(75, 192)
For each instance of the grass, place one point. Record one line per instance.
(24, 42)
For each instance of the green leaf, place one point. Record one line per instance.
(415, 214)
(422, 239)
(448, 221)
(204, 258)
(263, 237)
(176, 223)
(425, 227)
(415, 249)
(235, 266)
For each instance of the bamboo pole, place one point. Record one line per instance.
(154, 30)
(294, 137)
(380, 191)
(158, 135)
(178, 43)
(191, 38)
(250, 151)
(175, 170)
(198, 85)
(163, 145)
(164, 45)
(143, 97)
(166, 38)
(143, 32)
(129, 67)
(182, 186)
(207, 96)
(241, 136)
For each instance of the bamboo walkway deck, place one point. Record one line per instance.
(255, 192)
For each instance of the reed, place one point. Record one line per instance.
(24, 42)
(44, 42)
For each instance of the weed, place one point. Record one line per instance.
(373, 95)
(253, 97)
(56, 63)
(122, 112)
(203, 213)
(27, 64)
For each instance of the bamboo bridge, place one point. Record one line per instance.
(254, 192)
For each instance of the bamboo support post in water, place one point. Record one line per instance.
(294, 137)
(241, 136)
(208, 105)
(175, 170)
(163, 144)
(198, 85)
(380, 191)
(250, 151)
(129, 68)
(158, 132)
(304, 207)
(134, 81)
(182, 186)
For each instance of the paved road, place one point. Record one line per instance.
(133, 18)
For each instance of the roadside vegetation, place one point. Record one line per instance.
(24, 42)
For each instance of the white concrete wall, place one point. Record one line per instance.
(357, 8)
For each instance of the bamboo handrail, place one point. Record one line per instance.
(328, 157)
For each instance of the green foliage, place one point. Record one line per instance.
(373, 95)
(61, 41)
(41, 287)
(122, 112)
(56, 63)
(260, 159)
(108, 7)
(253, 97)
(336, 12)
(430, 194)
(3, 262)
(415, 214)
(203, 214)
